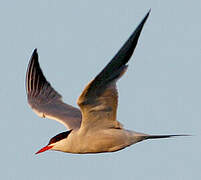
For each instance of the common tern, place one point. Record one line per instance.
(94, 127)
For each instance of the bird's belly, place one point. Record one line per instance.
(101, 141)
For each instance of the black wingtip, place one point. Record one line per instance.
(133, 39)
(124, 54)
(35, 53)
(32, 62)
(140, 26)
(128, 48)
(35, 50)
(34, 56)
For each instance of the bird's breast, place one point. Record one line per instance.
(107, 140)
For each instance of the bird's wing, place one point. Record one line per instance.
(45, 101)
(98, 102)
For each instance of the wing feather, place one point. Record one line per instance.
(98, 102)
(45, 101)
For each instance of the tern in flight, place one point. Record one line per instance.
(94, 127)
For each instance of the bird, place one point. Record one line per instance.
(93, 127)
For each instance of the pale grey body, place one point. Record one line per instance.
(94, 127)
(103, 140)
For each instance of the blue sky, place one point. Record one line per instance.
(159, 94)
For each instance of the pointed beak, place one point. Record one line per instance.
(44, 149)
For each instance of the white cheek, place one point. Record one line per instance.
(60, 146)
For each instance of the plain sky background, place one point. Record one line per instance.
(159, 94)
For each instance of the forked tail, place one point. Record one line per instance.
(164, 136)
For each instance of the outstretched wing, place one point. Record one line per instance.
(45, 101)
(99, 100)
